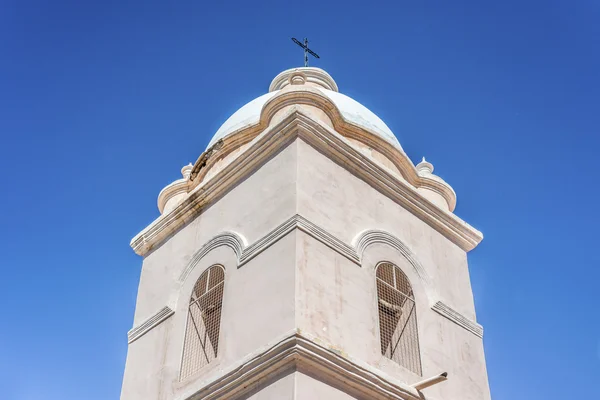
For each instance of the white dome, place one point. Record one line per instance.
(248, 115)
(350, 109)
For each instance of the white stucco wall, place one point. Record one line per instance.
(299, 283)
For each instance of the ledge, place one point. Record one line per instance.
(306, 95)
(297, 125)
(300, 353)
(459, 319)
(143, 328)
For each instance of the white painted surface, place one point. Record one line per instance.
(351, 110)
(301, 283)
(248, 115)
(360, 115)
(309, 280)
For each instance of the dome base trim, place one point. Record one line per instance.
(303, 95)
(331, 144)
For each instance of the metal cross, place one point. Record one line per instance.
(307, 51)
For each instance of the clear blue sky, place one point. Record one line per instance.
(101, 103)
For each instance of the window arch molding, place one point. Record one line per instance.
(234, 241)
(373, 246)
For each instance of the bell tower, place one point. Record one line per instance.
(304, 256)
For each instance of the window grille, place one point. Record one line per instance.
(201, 341)
(397, 317)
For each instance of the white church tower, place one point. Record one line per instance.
(304, 256)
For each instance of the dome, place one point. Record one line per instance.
(350, 109)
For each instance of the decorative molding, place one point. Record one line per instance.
(245, 253)
(296, 124)
(299, 222)
(303, 94)
(143, 328)
(213, 189)
(310, 74)
(339, 150)
(229, 239)
(369, 237)
(327, 238)
(300, 353)
(458, 318)
(269, 239)
(180, 186)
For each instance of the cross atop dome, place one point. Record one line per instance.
(307, 51)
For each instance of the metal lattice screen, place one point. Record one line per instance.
(201, 342)
(397, 317)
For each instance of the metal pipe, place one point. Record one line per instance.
(431, 381)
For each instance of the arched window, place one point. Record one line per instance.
(201, 342)
(397, 317)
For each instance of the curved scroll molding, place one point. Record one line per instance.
(314, 97)
(296, 124)
(230, 239)
(372, 236)
(170, 191)
(306, 95)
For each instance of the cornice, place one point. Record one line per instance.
(306, 95)
(296, 124)
(458, 318)
(143, 328)
(300, 353)
(338, 149)
(212, 189)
